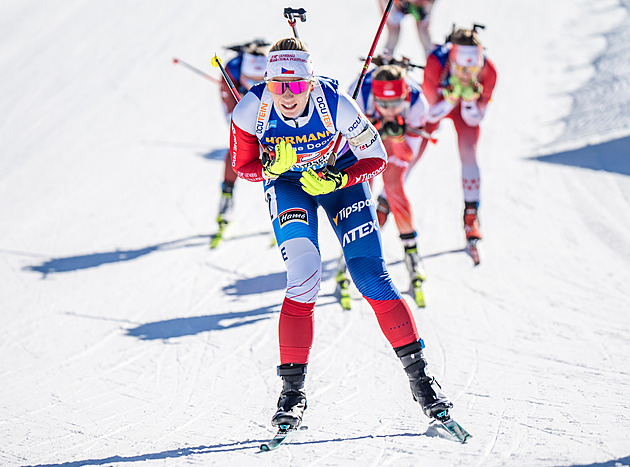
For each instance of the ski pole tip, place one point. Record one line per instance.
(215, 61)
(175, 60)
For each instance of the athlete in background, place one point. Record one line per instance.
(458, 83)
(396, 106)
(245, 70)
(420, 10)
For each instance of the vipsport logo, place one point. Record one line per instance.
(360, 232)
(293, 215)
(356, 207)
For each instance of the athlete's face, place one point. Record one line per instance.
(390, 108)
(289, 104)
(466, 74)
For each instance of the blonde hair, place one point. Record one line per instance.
(290, 43)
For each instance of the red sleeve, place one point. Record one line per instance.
(431, 81)
(487, 78)
(365, 169)
(245, 152)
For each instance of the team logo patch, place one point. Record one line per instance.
(287, 72)
(293, 215)
(273, 123)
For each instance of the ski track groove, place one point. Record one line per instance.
(490, 445)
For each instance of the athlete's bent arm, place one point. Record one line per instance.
(244, 145)
(364, 141)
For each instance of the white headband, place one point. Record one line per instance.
(292, 63)
(253, 65)
(466, 55)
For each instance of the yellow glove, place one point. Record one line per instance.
(276, 164)
(453, 91)
(472, 91)
(325, 182)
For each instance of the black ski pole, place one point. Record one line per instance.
(216, 62)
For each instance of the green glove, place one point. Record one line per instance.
(278, 163)
(472, 92)
(325, 182)
(453, 91)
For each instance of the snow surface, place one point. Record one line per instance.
(126, 341)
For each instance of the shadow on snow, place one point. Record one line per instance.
(611, 156)
(179, 327)
(258, 284)
(93, 260)
(217, 448)
(216, 154)
(613, 463)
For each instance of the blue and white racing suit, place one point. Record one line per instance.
(350, 209)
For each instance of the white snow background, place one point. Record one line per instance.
(125, 340)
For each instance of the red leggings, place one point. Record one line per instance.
(393, 183)
(467, 138)
(295, 327)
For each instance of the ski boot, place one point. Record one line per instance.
(425, 389)
(343, 282)
(225, 212)
(471, 227)
(292, 401)
(415, 267)
(471, 223)
(226, 203)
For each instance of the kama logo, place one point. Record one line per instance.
(356, 207)
(360, 232)
(287, 72)
(293, 215)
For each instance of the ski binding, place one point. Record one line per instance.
(454, 428)
(280, 436)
